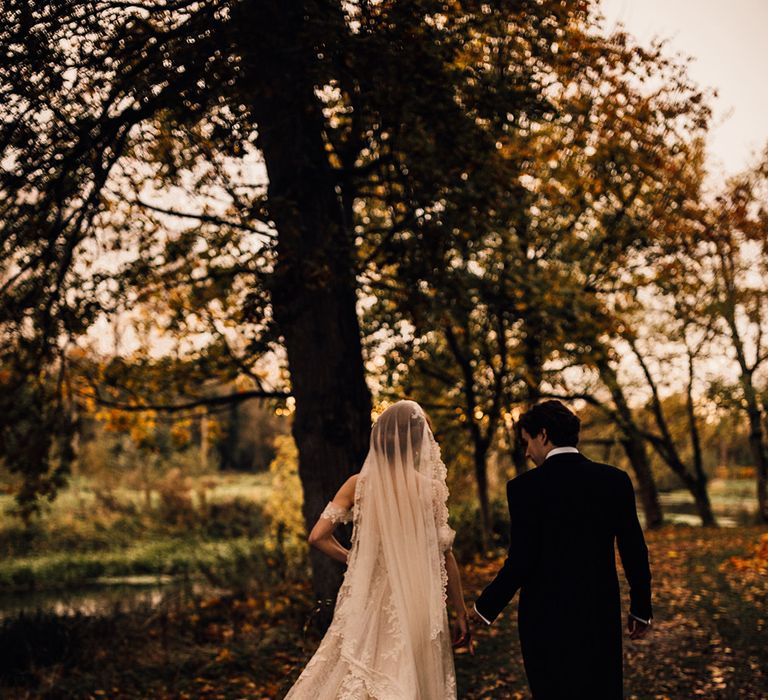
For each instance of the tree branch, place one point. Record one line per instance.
(205, 218)
(237, 397)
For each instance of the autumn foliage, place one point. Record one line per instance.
(757, 563)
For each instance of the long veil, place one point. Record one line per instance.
(390, 612)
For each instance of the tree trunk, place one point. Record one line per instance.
(703, 505)
(664, 444)
(757, 444)
(760, 456)
(532, 365)
(313, 287)
(480, 443)
(701, 495)
(696, 485)
(481, 477)
(229, 447)
(518, 453)
(204, 443)
(634, 446)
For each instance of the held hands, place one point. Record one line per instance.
(636, 628)
(462, 633)
(475, 618)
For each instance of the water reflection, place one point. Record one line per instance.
(106, 596)
(733, 501)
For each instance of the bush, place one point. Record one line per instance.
(236, 518)
(465, 519)
(243, 567)
(176, 507)
(284, 504)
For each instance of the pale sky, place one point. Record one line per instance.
(729, 42)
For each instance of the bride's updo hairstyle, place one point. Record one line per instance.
(401, 434)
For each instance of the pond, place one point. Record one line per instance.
(107, 596)
(734, 503)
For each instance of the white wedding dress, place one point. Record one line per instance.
(389, 638)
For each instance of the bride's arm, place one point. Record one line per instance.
(321, 536)
(456, 599)
(455, 591)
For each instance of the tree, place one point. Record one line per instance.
(94, 89)
(579, 185)
(733, 268)
(711, 265)
(114, 109)
(694, 477)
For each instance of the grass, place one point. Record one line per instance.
(169, 557)
(81, 493)
(204, 524)
(90, 533)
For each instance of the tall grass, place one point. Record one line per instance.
(212, 527)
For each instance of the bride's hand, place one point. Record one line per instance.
(462, 633)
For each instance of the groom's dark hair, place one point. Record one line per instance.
(562, 424)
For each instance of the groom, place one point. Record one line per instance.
(564, 517)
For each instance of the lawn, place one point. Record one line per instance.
(90, 534)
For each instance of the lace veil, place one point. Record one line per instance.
(391, 611)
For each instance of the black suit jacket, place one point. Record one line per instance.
(565, 517)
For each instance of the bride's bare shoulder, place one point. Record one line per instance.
(345, 496)
(349, 486)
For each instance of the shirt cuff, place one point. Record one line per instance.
(645, 622)
(487, 622)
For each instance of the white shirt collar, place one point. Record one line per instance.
(560, 450)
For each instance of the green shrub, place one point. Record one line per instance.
(283, 507)
(236, 518)
(465, 519)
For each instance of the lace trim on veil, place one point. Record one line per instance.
(440, 498)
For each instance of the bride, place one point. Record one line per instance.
(389, 637)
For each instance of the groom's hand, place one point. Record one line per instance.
(475, 618)
(636, 628)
